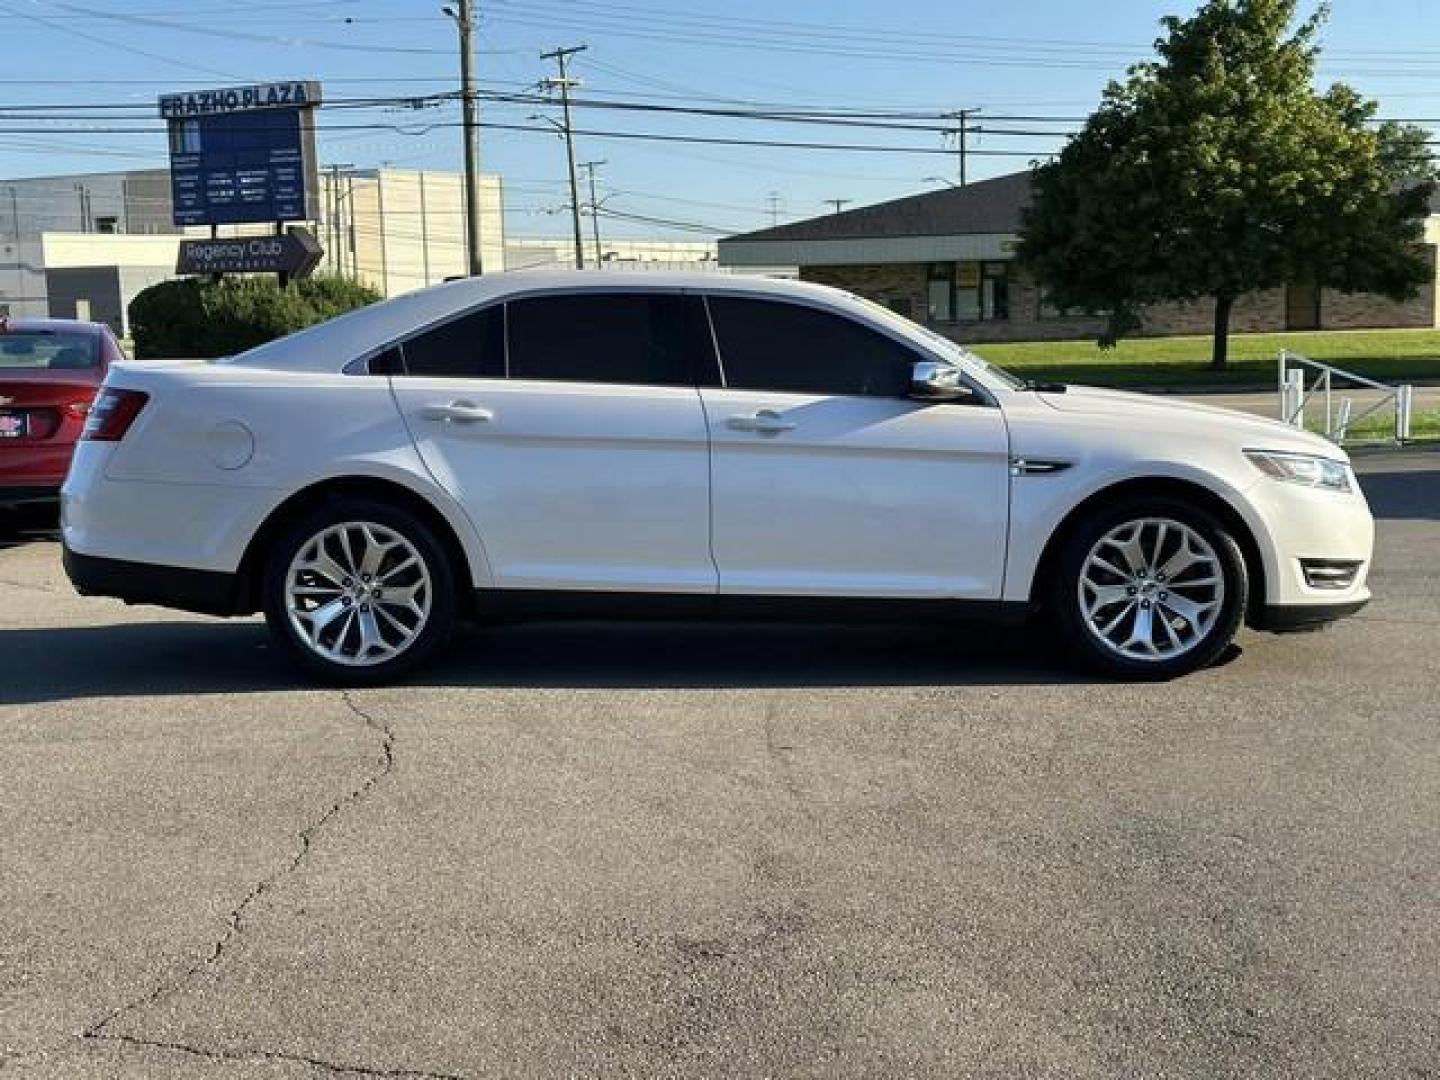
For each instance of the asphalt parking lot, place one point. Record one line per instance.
(722, 851)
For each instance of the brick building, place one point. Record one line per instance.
(946, 258)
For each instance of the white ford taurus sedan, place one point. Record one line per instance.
(682, 445)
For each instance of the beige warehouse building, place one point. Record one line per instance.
(82, 246)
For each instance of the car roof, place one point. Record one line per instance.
(329, 346)
(16, 325)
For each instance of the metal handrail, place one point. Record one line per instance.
(1295, 397)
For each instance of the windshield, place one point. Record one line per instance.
(31, 350)
(958, 354)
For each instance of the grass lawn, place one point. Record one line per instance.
(1424, 427)
(1179, 362)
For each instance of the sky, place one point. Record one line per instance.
(1031, 68)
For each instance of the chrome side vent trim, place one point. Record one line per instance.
(1330, 573)
(1022, 466)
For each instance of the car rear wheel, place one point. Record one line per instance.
(359, 591)
(1149, 589)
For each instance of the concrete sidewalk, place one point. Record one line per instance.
(1427, 399)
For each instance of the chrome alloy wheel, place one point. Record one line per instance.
(358, 593)
(1151, 589)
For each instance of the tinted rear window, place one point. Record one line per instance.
(52, 352)
(646, 339)
(470, 347)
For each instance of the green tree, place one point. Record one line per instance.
(1218, 168)
(197, 317)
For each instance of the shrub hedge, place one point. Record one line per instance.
(199, 317)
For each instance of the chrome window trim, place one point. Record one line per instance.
(714, 345)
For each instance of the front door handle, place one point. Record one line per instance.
(457, 412)
(766, 422)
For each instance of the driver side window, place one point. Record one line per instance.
(773, 345)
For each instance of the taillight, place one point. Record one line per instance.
(112, 414)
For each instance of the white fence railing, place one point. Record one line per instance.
(1341, 417)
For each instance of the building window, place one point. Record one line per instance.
(107, 224)
(940, 292)
(995, 291)
(969, 291)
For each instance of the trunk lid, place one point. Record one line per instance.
(33, 405)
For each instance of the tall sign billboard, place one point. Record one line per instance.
(243, 154)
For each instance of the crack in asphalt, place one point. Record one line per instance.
(1396, 622)
(338, 1068)
(235, 926)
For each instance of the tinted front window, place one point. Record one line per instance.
(767, 345)
(644, 339)
(470, 347)
(58, 352)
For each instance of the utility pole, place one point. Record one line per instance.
(961, 134)
(563, 83)
(774, 199)
(463, 12)
(838, 203)
(590, 167)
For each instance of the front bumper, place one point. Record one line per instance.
(206, 592)
(1293, 618)
(1302, 533)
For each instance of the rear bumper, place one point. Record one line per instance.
(207, 592)
(1288, 618)
(21, 494)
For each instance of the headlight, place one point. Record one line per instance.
(1306, 469)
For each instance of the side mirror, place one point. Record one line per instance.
(930, 381)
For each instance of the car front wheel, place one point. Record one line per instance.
(359, 591)
(1149, 589)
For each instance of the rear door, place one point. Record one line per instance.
(569, 427)
(829, 480)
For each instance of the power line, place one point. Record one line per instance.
(149, 22)
(43, 21)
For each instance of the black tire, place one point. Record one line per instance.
(436, 563)
(1064, 610)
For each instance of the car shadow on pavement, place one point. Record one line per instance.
(218, 657)
(1406, 495)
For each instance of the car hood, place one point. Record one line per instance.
(1186, 417)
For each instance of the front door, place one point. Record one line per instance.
(829, 481)
(569, 428)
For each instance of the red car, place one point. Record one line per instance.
(50, 370)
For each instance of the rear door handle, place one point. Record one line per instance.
(765, 421)
(457, 412)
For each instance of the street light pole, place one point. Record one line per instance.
(463, 12)
(563, 83)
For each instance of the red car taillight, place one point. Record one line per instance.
(112, 414)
